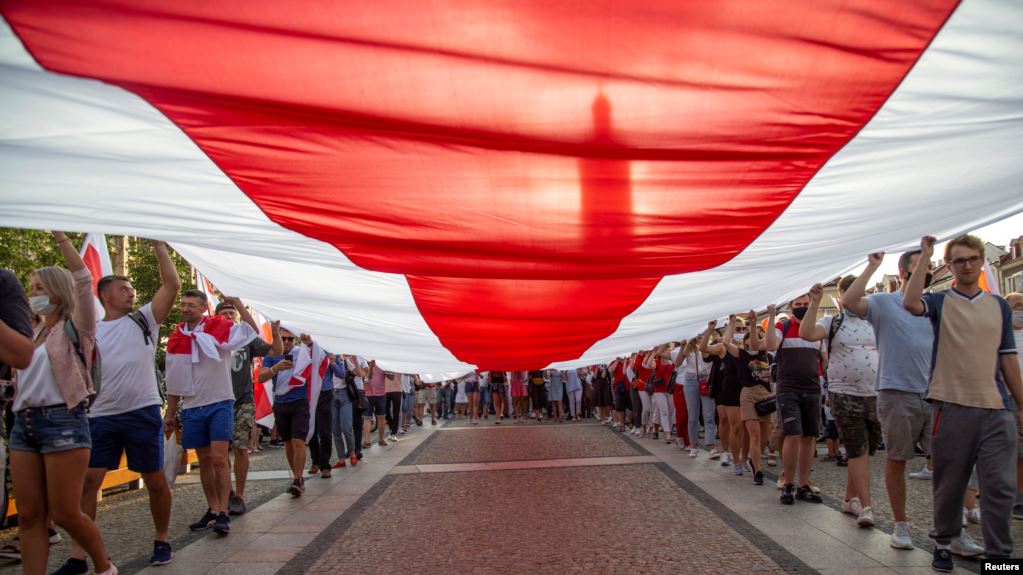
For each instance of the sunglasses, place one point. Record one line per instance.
(284, 338)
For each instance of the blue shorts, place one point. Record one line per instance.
(377, 406)
(201, 426)
(472, 387)
(50, 429)
(137, 433)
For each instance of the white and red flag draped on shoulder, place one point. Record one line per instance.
(510, 184)
(96, 256)
(262, 393)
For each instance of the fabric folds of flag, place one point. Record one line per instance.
(511, 185)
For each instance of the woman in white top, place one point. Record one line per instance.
(50, 441)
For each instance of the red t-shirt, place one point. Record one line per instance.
(663, 370)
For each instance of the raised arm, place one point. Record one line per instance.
(243, 312)
(808, 328)
(728, 340)
(853, 299)
(277, 344)
(170, 283)
(772, 342)
(85, 311)
(755, 342)
(913, 301)
(707, 348)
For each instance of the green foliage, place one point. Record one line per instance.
(22, 251)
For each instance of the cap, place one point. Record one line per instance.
(225, 305)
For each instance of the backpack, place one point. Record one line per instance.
(96, 369)
(833, 330)
(140, 320)
(774, 364)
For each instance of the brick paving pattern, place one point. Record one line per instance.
(536, 520)
(523, 442)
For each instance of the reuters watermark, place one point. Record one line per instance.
(1001, 566)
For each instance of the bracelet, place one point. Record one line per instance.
(63, 240)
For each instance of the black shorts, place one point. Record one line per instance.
(799, 413)
(730, 391)
(536, 395)
(292, 420)
(623, 401)
(602, 395)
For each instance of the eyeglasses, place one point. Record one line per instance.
(283, 338)
(962, 262)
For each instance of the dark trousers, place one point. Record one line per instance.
(321, 442)
(357, 425)
(393, 410)
(637, 407)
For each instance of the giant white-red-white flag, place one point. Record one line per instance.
(506, 185)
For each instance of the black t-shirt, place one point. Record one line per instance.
(14, 310)
(497, 378)
(536, 377)
(753, 369)
(241, 369)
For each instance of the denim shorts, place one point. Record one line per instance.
(201, 426)
(138, 433)
(50, 429)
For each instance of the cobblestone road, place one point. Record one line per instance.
(598, 519)
(127, 526)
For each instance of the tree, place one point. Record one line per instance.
(25, 250)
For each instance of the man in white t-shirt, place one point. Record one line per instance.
(125, 416)
(199, 354)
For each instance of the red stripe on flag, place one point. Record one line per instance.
(92, 261)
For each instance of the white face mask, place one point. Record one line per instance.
(41, 305)
(1017, 319)
(738, 337)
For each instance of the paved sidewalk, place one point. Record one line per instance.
(533, 498)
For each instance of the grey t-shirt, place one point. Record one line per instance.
(241, 369)
(903, 344)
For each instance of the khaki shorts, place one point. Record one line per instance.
(431, 394)
(244, 424)
(905, 420)
(747, 398)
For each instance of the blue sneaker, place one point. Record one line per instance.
(942, 560)
(161, 553)
(205, 522)
(72, 567)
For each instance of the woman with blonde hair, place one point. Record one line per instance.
(50, 440)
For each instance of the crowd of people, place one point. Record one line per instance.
(934, 372)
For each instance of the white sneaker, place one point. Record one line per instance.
(866, 518)
(901, 539)
(693, 452)
(852, 507)
(726, 459)
(923, 475)
(965, 546)
(736, 469)
(714, 454)
(973, 515)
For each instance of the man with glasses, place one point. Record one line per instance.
(799, 398)
(291, 403)
(199, 379)
(976, 393)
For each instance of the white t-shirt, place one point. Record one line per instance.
(365, 367)
(36, 385)
(852, 365)
(128, 365)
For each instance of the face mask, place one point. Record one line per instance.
(1017, 319)
(927, 278)
(738, 337)
(799, 312)
(41, 305)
